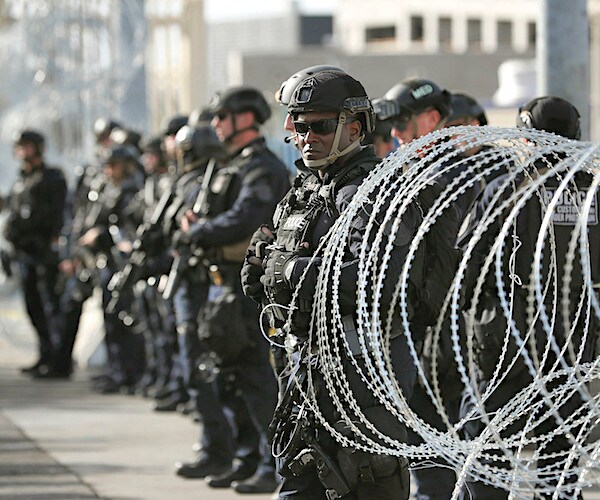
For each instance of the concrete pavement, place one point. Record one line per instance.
(59, 440)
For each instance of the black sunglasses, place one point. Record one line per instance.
(401, 122)
(320, 127)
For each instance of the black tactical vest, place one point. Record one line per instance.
(297, 211)
(30, 224)
(296, 215)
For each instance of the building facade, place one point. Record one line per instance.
(479, 26)
(176, 58)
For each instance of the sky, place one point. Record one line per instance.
(221, 10)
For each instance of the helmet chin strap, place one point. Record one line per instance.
(334, 153)
(237, 131)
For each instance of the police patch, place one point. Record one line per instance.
(569, 205)
(293, 222)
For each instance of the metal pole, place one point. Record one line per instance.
(563, 55)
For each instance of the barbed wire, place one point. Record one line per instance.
(549, 313)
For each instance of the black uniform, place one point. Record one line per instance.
(242, 195)
(112, 216)
(35, 217)
(75, 289)
(306, 215)
(489, 322)
(150, 307)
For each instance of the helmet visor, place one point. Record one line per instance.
(384, 109)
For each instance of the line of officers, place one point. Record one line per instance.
(185, 233)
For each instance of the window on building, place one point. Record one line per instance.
(380, 34)
(531, 35)
(445, 32)
(417, 29)
(474, 33)
(504, 34)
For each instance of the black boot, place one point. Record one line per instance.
(204, 465)
(259, 483)
(239, 472)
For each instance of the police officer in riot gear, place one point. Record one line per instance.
(465, 111)
(195, 147)
(415, 107)
(35, 216)
(331, 112)
(560, 117)
(170, 127)
(159, 334)
(241, 194)
(165, 201)
(108, 230)
(78, 274)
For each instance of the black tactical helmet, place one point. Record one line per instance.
(551, 114)
(463, 106)
(30, 136)
(284, 94)
(116, 153)
(170, 126)
(103, 127)
(200, 116)
(195, 145)
(335, 91)
(123, 137)
(239, 99)
(152, 145)
(410, 97)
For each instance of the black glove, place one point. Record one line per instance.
(250, 275)
(260, 239)
(278, 268)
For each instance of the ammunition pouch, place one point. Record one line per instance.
(222, 324)
(328, 471)
(359, 466)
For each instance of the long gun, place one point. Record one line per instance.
(86, 217)
(123, 281)
(183, 255)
